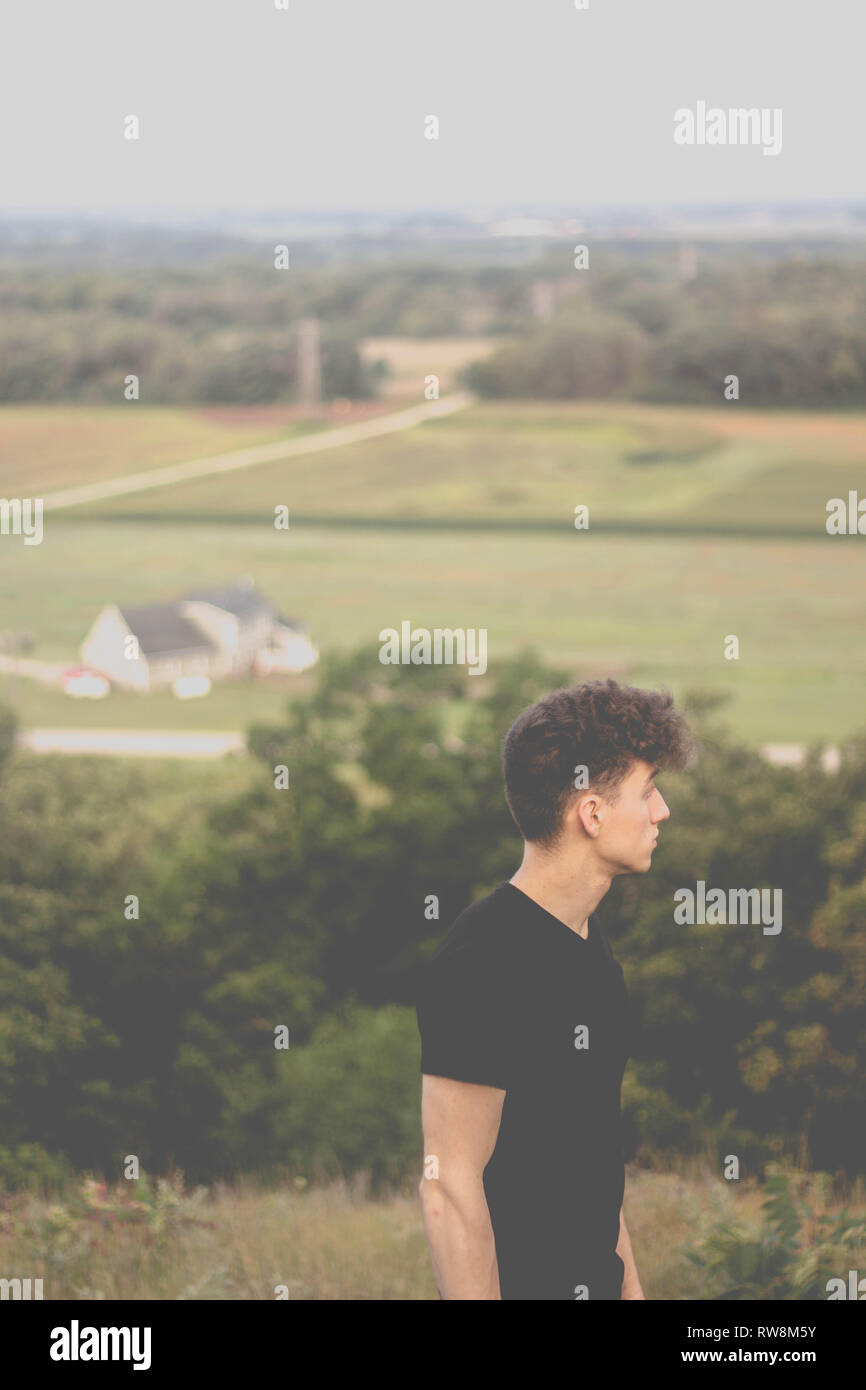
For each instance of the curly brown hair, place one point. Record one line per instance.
(601, 725)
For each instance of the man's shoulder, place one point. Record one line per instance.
(480, 928)
(476, 954)
(465, 997)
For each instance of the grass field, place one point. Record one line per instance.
(44, 449)
(524, 464)
(703, 523)
(333, 1243)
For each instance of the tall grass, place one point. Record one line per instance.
(156, 1239)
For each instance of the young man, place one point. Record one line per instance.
(523, 1013)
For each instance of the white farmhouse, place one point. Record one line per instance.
(218, 633)
(238, 620)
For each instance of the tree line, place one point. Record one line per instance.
(625, 322)
(150, 954)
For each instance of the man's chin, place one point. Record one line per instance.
(642, 868)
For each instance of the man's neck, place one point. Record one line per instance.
(569, 892)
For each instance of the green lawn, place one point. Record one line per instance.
(648, 604)
(45, 448)
(650, 610)
(532, 463)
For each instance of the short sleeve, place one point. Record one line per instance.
(463, 1020)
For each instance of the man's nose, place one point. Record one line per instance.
(662, 811)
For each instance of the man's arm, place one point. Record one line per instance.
(630, 1281)
(461, 1124)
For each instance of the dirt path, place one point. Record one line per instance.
(213, 743)
(147, 743)
(263, 453)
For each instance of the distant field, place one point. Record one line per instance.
(45, 448)
(412, 360)
(649, 610)
(521, 463)
(393, 539)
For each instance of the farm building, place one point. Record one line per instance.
(217, 633)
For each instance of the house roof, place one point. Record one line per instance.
(297, 623)
(243, 600)
(161, 627)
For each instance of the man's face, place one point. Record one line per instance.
(630, 825)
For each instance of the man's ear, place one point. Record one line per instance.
(588, 808)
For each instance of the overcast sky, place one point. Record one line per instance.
(249, 108)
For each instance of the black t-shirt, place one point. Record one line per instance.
(515, 999)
